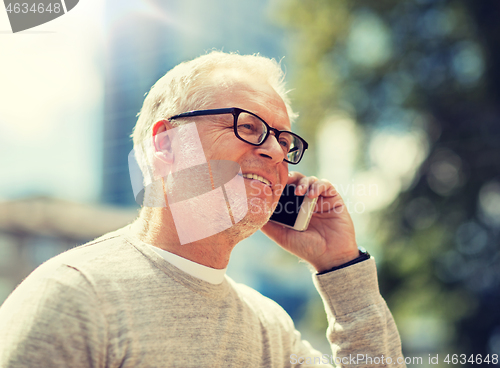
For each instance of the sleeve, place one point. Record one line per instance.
(53, 321)
(304, 355)
(361, 329)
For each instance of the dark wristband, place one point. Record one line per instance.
(363, 256)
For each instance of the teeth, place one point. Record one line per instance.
(257, 177)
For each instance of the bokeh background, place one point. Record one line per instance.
(399, 100)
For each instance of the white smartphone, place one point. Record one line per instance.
(293, 211)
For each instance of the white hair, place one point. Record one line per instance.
(188, 87)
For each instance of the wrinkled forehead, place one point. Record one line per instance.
(249, 92)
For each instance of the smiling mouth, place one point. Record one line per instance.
(258, 178)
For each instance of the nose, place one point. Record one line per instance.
(271, 149)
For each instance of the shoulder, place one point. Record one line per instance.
(52, 310)
(106, 247)
(100, 270)
(90, 264)
(108, 252)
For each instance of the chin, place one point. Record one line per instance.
(256, 217)
(259, 211)
(246, 227)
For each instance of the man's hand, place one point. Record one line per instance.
(329, 240)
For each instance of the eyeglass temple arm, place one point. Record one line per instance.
(202, 113)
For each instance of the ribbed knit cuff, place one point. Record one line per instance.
(349, 289)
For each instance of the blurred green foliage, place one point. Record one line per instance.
(399, 65)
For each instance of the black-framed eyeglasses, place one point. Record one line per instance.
(251, 129)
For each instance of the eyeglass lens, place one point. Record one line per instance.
(253, 130)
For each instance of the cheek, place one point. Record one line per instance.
(223, 146)
(283, 180)
(284, 174)
(212, 146)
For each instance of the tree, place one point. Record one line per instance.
(434, 67)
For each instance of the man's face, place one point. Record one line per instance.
(220, 143)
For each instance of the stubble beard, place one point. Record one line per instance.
(257, 216)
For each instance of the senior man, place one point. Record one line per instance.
(144, 297)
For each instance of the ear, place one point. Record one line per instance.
(162, 142)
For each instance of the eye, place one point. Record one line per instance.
(246, 126)
(285, 143)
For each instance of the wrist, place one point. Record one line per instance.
(329, 261)
(359, 256)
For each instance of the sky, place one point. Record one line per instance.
(52, 95)
(51, 101)
(52, 84)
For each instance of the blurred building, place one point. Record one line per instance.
(36, 229)
(136, 58)
(144, 40)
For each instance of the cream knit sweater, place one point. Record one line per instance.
(114, 302)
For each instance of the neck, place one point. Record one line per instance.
(155, 226)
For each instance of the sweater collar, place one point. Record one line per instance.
(202, 272)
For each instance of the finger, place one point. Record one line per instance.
(304, 184)
(329, 198)
(299, 180)
(323, 188)
(329, 204)
(294, 177)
